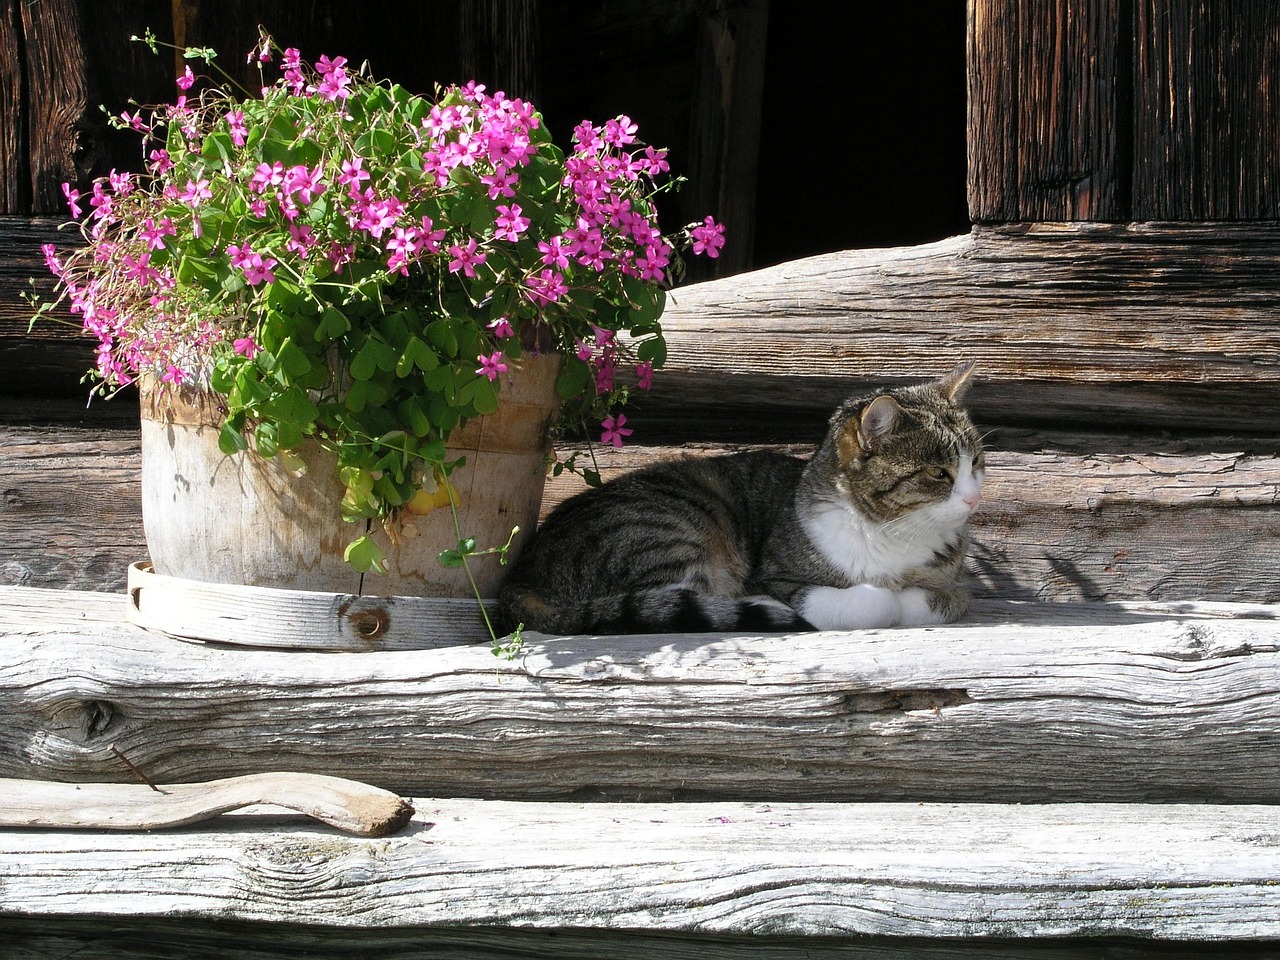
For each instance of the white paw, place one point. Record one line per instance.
(863, 607)
(916, 611)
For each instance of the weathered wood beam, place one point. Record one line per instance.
(899, 870)
(1023, 702)
(1162, 522)
(1122, 326)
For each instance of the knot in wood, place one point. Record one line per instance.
(369, 624)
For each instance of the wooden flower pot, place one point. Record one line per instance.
(245, 520)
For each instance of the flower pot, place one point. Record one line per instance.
(245, 520)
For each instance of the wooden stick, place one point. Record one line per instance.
(346, 804)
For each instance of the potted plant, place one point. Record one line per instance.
(331, 283)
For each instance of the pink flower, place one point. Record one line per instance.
(553, 254)
(547, 287)
(51, 259)
(509, 224)
(644, 376)
(235, 120)
(614, 431)
(301, 239)
(353, 173)
(154, 233)
(73, 196)
(708, 238)
(305, 184)
(606, 367)
(466, 258)
(258, 270)
(291, 64)
(246, 347)
(492, 365)
(173, 375)
(195, 192)
(620, 132)
(655, 161)
(501, 327)
(431, 239)
(160, 162)
(187, 79)
(501, 182)
(335, 76)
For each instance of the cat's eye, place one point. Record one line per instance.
(937, 473)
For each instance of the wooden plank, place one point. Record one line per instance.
(1132, 326)
(728, 78)
(900, 870)
(1047, 88)
(345, 804)
(1206, 121)
(1021, 703)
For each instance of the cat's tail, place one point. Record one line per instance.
(656, 610)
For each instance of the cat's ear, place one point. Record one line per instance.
(954, 385)
(865, 430)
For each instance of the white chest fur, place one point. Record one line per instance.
(870, 552)
(880, 553)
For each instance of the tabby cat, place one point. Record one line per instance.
(869, 532)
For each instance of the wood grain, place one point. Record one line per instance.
(57, 97)
(1206, 119)
(72, 506)
(1123, 110)
(902, 870)
(1046, 88)
(1021, 703)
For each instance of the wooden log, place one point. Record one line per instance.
(1107, 520)
(805, 869)
(1138, 326)
(345, 804)
(1127, 326)
(72, 506)
(1022, 702)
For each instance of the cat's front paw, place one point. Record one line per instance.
(921, 607)
(861, 607)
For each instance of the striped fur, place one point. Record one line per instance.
(868, 532)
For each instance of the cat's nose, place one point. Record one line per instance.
(971, 499)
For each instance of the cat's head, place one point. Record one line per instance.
(908, 450)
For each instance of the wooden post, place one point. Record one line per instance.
(1123, 110)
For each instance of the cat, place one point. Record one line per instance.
(870, 532)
